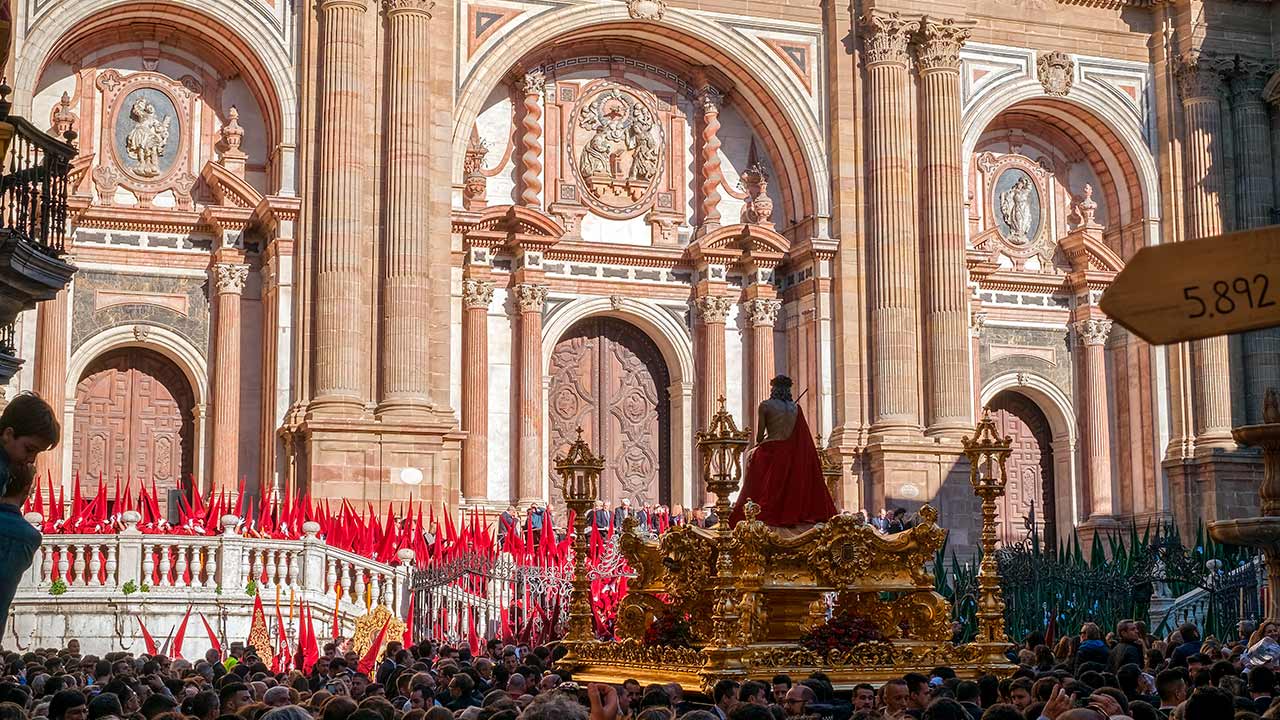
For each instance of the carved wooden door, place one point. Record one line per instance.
(1030, 467)
(608, 378)
(133, 420)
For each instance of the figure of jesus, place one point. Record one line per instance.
(784, 474)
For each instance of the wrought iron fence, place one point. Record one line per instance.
(33, 183)
(8, 342)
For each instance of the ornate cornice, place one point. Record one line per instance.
(762, 311)
(476, 293)
(1092, 331)
(885, 37)
(713, 308)
(230, 277)
(530, 297)
(938, 43)
(397, 7)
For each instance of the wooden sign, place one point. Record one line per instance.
(1199, 288)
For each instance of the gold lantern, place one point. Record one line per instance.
(721, 446)
(988, 453)
(579, 471)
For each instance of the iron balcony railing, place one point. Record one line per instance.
(33, 182)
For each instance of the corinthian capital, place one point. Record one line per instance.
(477, 293)
(361, 5)
(534, 82)
(713, 308)
(395, 7)
(1092, 331)
(762, 311)
(938, 43)
(1200, 75)
(885, 37)
(710, 98)
(530, 297)
(230, 277)
(1249, 78)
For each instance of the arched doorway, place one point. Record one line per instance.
(609, 378)
(133, 419)
(1030, 488)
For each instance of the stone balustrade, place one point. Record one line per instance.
(96, 587)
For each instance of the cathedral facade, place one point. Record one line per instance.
(381, 249)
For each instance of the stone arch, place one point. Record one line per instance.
(237, 29)
(676, 346)
(167, 343)
(776, 105)
(1057, 409)
(1098, 117)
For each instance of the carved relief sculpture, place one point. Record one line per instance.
(758, 209)
(62, 120)
(1015, 216)
(1056, 72)
(618, 145)
(646, 9)
(230, 154)
(474, 181)
(148, 130)
(1015, 209)
(147, 138)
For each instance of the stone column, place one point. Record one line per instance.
(891, 207)
(342, 316)
(763, 313)
(1255, 197)
(476, 296)
(229, 279)
(711, 100)
(532, 87)
(529, 299)
(714, 311)
(1092, 336)
(1200, 83)
(51, 377)
(406, 301)
(942, 231)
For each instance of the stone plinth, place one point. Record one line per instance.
(909, 472)
(1218, 485)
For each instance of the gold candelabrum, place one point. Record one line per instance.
(721, 446)
(579, 471)
(988, 453)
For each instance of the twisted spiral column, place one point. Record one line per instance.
(711, 173)
(532, 85)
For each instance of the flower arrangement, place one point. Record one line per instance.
(841, 632)
(670, 629)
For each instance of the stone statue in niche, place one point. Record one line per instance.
(1016, 210)
(147, 139)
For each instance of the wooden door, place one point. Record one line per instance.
(133, 419)
(1030, 468)
(609, 378)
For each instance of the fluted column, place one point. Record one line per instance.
(942, 229)
(1200, 84)
(51, 375)
(406, 301)
(891, 207)
(532, 87)
(711, 99)
(342, 316)
(529, 299)
(1092, 336)
(229, 280)
(1255, 197)
(763, 314)
(714, 311)
(476, 297)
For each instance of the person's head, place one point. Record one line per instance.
(917, 691)
(780, 388)
(1189, 632)
(1209, 703)
(277, 696)
(754, 692)
(945, 709)
(632, 689)
(725, 694)
(20, 481)
(554, 706)
(12, 711)
(28, 427)
(1171, 685)
(780, 685)
(233, 697)
(205, 705)
(339, 707)
(105, 704)
(895, 695)
(1262, 681)
(461, 685)
(1020, 693)
(1090, 631)
(797, 700)
(359, 683)
(1127, 631)
(157, 704)
(68, 705)
(864, 697)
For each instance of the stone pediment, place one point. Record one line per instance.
(227, 188)
(1087, 251)
(510, 225)
(740, 244)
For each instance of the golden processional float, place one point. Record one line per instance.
(748, 602)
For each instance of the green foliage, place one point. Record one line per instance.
(130, 587)
(251, 589)
(58, 587)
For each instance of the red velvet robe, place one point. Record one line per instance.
(785, 478)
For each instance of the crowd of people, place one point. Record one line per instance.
(1090, 676)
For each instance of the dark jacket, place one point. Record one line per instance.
(1092, 651)
(1124, 653)
(19, 543)
(1178, 658)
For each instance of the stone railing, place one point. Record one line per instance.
(90, 587)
